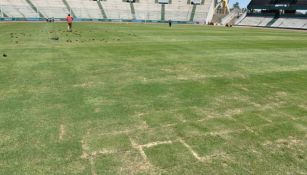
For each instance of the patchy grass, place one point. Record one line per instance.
(147, 99)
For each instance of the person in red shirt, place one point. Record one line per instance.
(69, 20)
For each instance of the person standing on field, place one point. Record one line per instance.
(69, 20)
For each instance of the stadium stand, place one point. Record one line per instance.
(256, 21)
(103, 12)
(2, 14)
(178, 10)
(276, 13)
(132, 11)
(291, 23)
(92, 9)
(230, 17)
(117, 9)
(34, 8)
(240, 19)
(142, 10)
(204, 12)
(147, 10)
(18, 8)
(71, 11)
(54, 8)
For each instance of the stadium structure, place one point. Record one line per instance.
(276, 13)
(110, 10)
(261, 13)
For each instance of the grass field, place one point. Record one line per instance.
(147, 99)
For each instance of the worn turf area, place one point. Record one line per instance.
(148, 99)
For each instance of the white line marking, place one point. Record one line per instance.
(62, 132)
(93, 167)
(152, 144)
(139, 148)
(191, 150)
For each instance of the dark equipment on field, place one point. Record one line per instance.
(55, 38)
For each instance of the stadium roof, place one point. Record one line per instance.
(278, 4)
(243, 3)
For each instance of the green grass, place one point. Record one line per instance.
(147, 99)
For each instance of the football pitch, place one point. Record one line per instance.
(149, 99)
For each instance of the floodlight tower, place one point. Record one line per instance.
(223, 5)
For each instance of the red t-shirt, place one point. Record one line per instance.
(69, 19)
